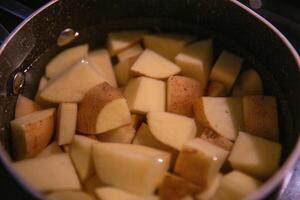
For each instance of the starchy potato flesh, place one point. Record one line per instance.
(65, 60)
(133, 51)
(91, 183)
(260, 116)
(236, 186)
(49, 174)
(110, 193)
(69, 195)
(248, 83)
(167, 45)
(123, 134)
(25, 106)
(216, 89)
(255, 156)
(211, 190)
(136, 120)
(199, 162)
(100, 61)
(51, 149)
(153, 65)
(226, 69)
(195, 60)
(145, 94)
(134, 168)
(43, 103)
(123, 72)
(216, 139)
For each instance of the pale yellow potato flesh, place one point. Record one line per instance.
(66, 123)
(43, 103)
(195, 60)
(32, 133)
(145, 95)
(123, 72)
(247, 84)
(111, 193)
(153, 65)
(236, 186)
(221, 114)
(120, 41)
(49, 174)
(167, 45)
(226, 69)
(255, 156)
(133, 51)
(51, 149)
(136, 120)
(91, 183)
(65, 60)
(25, 106)
(209, 193)
(134, 168)
(123, 134)
(171, 129)
(71, 85)
(80, 152)
(100, 60)
(69, 195)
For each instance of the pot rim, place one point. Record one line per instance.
(266, 188)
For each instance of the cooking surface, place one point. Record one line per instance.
(285, 16)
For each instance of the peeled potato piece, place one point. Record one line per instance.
(133, 51)
(38, 99)
(25, 106)
(110, 193)
(51, 149)
(124, 134)
(123, 72)
(69, 195)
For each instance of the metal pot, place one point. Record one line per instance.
(232, 26)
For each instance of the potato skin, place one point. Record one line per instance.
(91, 105)
(200, 117)
(216, 139)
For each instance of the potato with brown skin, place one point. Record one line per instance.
(260, 116)
(97, 112)
(32, 133)
(181, 92)
(216, 89)
(175, 188)
(216, 139)
(25, 106)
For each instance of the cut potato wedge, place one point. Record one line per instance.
(176, 188)
(91, 183)
(154, 65)
(223, 115)
(133, 51)
(211, 190)
(226, 69)
(123, 72)
(66, 123)
(181, 93)
(71, 85)
(100, 60)
(25, 106)
(110, 193)
(216, 139)
(199, 162)
(260, 116)
(38, 99)
(52, 173)
(120, 41)
(65, 60)
(139, 91)
(134, 168)
(248, 83)
(255, 156)
(31, 133)
(236, 186)
(171, 129)
(166, 45)
(103, 108)
(51, 149)
(195, 60)
(136, 120)
(216, 89)
(69, 195)
(124, 134)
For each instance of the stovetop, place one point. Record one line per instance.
(285, 15)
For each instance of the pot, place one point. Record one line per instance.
(232, 26)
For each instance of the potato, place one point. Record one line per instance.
(216, 139)
(226, 69)
(69, 195)
(222, 115)
(43, 103)
(211, 190)
(255, 156)
(248, 83)
(195, 60)
(153, 65)
(171, 129)
(166, 45)
(133, 51)
(120, 41)
(181, 92)
(123, 134)
(51, 149)
(216, 89)
(136, 120)
(236, 186)
(139, 91)
(110, 193)
(31, 133)
(91, 183)
(260, 116)
(100, 60)
(25, 106)
(66, 123)
(133, 168)
(123, 72)
(103, 108)
(72, 84)
(65, 60)
(48, 174)
(176, 188)
(80, 152)
(199, 162)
